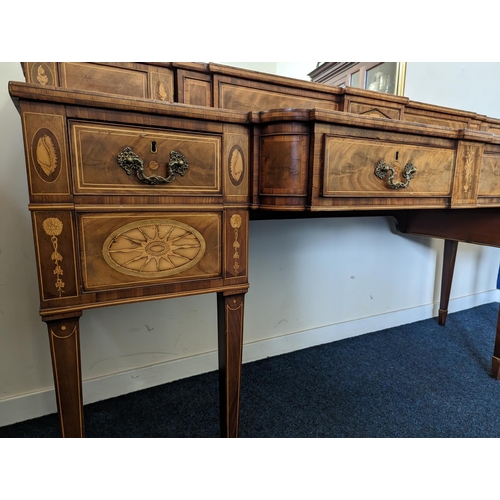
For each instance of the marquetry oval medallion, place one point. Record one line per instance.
(46, 155)
(236, 165)
(153, 248)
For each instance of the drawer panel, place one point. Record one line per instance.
(96, 148)
(125, 250)
(244, 95)
(349, 168)
(489, 180)
(97, 78)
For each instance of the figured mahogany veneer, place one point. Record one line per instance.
(128, 79)
(221, 86)
(136, 198)
(107, 234)
(94, 144)
(320, 160)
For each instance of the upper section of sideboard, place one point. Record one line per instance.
(305, 146)
(220, 86)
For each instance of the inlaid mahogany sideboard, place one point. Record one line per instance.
(143, 177)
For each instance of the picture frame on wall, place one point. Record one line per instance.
(386, 77)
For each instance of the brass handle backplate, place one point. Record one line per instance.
(382, 169)
(130, 162)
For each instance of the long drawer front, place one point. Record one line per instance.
(110, 159)
(126, 250)
(373, 169)
(357, 167)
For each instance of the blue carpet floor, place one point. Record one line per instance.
(416, 380)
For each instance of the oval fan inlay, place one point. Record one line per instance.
(154, 248)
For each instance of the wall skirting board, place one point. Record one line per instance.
(36, 404)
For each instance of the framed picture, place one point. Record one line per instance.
(387, 77)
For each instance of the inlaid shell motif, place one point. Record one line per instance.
(46, 155)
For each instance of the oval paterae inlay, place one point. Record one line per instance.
(236, 165)
(153, 248)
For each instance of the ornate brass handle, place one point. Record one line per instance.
(381, 170)
(130, 162)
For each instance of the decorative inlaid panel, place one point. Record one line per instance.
(236, 243)
(54, 237)
(46, 154)
(154, 248)
(236, 158)
(375, 110)
(245, 98)
(53, 227)
(236, 166)
(489, 181)
(97, 149)
(100, 78)
(42, 73)
(162, 85)
(120, 250)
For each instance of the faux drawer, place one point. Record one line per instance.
(126, 79)
(489, 181)
(350, 163)
(96, 150)
(127, 250)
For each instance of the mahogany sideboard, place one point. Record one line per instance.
(143, 177)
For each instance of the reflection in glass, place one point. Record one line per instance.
(382, 78)
(355, 79)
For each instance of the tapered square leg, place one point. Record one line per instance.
(230, 320)
(449, 257)
(64, 338)
(495, 361)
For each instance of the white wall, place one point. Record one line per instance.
(471, 86)
(311, 281)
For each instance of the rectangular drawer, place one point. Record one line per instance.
(250, 95)
(128, 250)
(350, 163)
(96, 148)
(97, 78)
(489, 181)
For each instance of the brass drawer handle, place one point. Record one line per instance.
(381, 170)
(130, 162)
